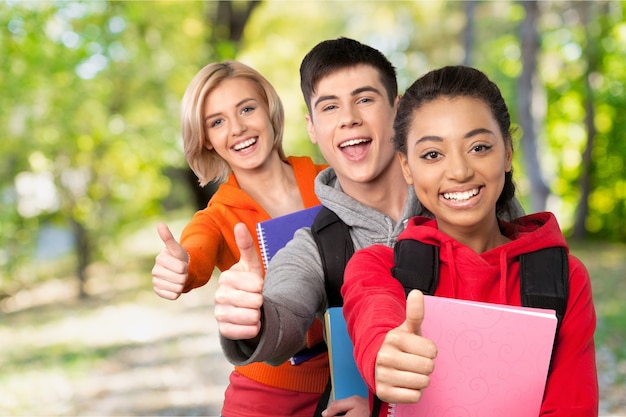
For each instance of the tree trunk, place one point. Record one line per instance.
(83, 251)
(231, 18)
(468, 33)
(539, 191)
(201, 195)
(591, 49)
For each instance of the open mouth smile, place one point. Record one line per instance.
(245, 144)
(461, 196)
(353, 142)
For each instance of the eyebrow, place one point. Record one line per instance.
(245, 100)
(468, 135)
(429, 139)
(354, 92)
(478, 131)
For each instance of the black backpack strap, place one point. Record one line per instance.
(322, 404)
(335, 246)
(416, 266)
(544, 280)
(376, 406)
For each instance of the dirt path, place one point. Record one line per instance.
(124, 352)
(172, 364)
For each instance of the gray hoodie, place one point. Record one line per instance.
(294, 291)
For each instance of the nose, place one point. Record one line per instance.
(459, 167)
(238, 126)
(350, 117)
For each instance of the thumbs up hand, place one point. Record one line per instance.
(405, 359)
(169, 273)
(414, 313)
(239, 295)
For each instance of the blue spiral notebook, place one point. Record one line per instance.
(274, 233)
(344, 374)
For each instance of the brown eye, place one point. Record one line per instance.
(481, 148)
(431, 155)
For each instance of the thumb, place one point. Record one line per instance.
(414, 312)
(170, 242)
(248, 258)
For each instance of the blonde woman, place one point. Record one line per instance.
(232, 126)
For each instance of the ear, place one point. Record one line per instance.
(396, 102)
(508, 158)
(310, 128)
(406, 170)
(208, 145)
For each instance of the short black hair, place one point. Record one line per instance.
(335, 54)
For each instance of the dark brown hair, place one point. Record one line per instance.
(336, 54)
(457, 81)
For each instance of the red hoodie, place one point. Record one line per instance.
(374, 302)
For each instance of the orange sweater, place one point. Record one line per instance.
(210, 242)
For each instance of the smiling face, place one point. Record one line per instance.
(456, 160)
(237, 124)
(352, 122)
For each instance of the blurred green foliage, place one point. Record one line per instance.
(91, 105)
(91, 93)
(420, 36)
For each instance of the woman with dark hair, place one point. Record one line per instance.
(452, 134)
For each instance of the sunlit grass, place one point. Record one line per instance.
(607, 268)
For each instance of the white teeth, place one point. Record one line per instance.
(465, 195)
(353, 142)
(244, 144)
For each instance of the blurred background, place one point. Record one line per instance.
(92, 160)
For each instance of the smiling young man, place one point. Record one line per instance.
(351, 93)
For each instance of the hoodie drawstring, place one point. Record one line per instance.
(503, 275)
(453, 271)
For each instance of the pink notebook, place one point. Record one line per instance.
(492, 360)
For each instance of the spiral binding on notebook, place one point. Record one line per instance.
(391, 411)
(273, 234)
(265, 250)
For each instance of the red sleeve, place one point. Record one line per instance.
(374, 303)
(572, 387)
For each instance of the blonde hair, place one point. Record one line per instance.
(207, 164)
